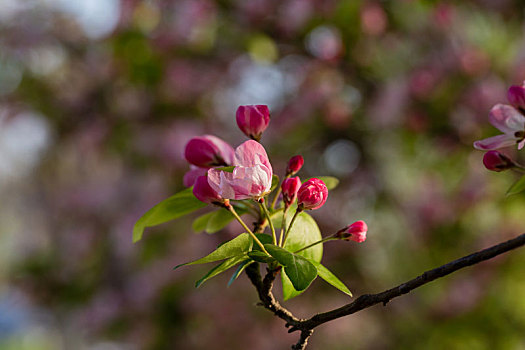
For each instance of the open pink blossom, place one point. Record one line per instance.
(508, 120)
(251, 177)
(207, 151)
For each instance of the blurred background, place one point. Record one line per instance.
(99, 97)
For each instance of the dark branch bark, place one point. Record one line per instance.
(367, 300)
(264, 289)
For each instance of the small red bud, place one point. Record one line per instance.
(290, 187)
(294, 165)
(355, 232)
(516, 97)
(496, 161)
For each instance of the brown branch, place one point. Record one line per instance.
(264, 288)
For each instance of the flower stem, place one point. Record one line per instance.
(297, 212)
(234, 213)
(265, 210)
(329, 238)
(278, 193)
(283, 224)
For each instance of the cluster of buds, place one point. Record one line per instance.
(510, 119)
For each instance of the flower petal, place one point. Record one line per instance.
(252, 153)
(495, 142)
(506, 118)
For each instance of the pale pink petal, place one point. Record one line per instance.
(251, 153)
(495, 142)
(521, 144)
(192, 175)
(507, 118)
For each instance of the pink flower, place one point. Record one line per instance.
(312, 194)
(290, 187)
(251, 177)
(294, 165)
(507, 119)
(204, 193)
(253, 120)
(495, 161)
(208, 151)
(356, 232)
(516, 96)
(192, 175)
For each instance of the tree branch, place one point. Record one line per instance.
(367, 300)
(264, 289)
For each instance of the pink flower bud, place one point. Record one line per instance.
(253, 120)
(290, 187)
(355, 232)
(203, 191)
(516, 97)
(495, 161)
(294, 165)
(208, 151)
(312, 194)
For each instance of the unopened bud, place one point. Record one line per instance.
(253, 120)
(516, 96)
(203, 191)
(208, 151)
(294, 165)
(290, 187)
(312, 194)
(355, 232)
(496, 161)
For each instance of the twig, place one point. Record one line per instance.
(367, 300)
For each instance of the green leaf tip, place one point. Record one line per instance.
(180, 204)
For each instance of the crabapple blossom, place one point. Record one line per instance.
(192, 175)
(251, 177)
(508, 120)
(312, 194)
(208, 151)
(253, 120)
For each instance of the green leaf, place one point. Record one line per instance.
(275, 182)
(215, 221)
(172, 208)
(239, 270)
(517, 187)
(225, 265)
(330, 181)
(299, 270)
(329, 277)
(238, 246)
(228, 169)
(289, 291)
(200, 223)
(259, 256)
(304, 232)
